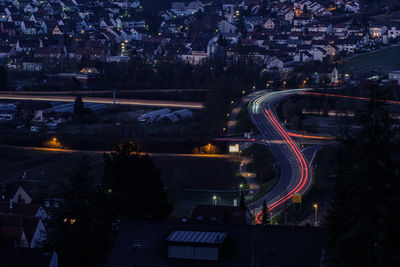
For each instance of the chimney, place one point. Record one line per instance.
(11, 204)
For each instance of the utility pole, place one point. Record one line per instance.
(316, 214)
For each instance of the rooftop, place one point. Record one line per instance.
(197, 237)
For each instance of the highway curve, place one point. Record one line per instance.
(295, 172)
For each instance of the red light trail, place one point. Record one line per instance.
(349, 97)
(303, 164)
(311, 136)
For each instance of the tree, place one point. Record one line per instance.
(80, 229)
(265, 216)
(135, 184)
(3, 78)
(79, 109)
(362, 224)
(243, 207)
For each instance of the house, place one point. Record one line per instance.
(394, 77)
(29, 8)
(394, 32)
(348, 45)
(269, 24)
(19, 231)
(227, 27)
(303, 57)
(289, 16)
(26, 45)
(19, 208)
(48, 53)
(317, 53)
(377, 31)
(178, 244)
(195, 58)
(28, 27)
(331, 50)
(8, 27)
(57, 30)
(32, 66)
(17, 19)
(273, 62)
(7, 112)
(340, 30)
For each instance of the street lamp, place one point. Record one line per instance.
(316, 214)
(240, 190)
(215, 200)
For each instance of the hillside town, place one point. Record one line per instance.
(61, 37)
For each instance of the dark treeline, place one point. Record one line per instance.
(362, 224)
(139, 74)
(82, 228)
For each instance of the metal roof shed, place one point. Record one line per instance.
(153, 115)
(167, 118)
(183, 114)
(196, 245)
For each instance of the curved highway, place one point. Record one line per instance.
(295, 171)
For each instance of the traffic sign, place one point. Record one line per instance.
(296, 198)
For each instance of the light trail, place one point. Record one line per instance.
(311, 136)
(303, 166)
(350, 97)
(235, 139)
(100, 100)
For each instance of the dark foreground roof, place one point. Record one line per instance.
(143, 243)
(17, 257)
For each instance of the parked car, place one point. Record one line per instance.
(35, 129)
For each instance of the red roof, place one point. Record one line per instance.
(19, 209)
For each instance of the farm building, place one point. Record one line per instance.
(183, 114)
(153, 115)
(175, 116)
(7, 112)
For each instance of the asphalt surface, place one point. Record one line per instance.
(295, 170)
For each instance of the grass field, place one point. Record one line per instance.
(46, 169)
(385, 60)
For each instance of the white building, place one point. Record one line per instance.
(32, 66)
(394, 32)
(195, 58)
(394, 77)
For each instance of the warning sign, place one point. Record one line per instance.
(296, 198)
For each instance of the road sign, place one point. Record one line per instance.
(296, 198)
(234, 148)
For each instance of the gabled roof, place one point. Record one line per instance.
(197, 237)
(143, 243)
(14, 224)
(19, 209)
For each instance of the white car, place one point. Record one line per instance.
(35, 129)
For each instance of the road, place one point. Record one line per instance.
(104, 100)
(231, 125)
(295, 170)
(67, 150)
